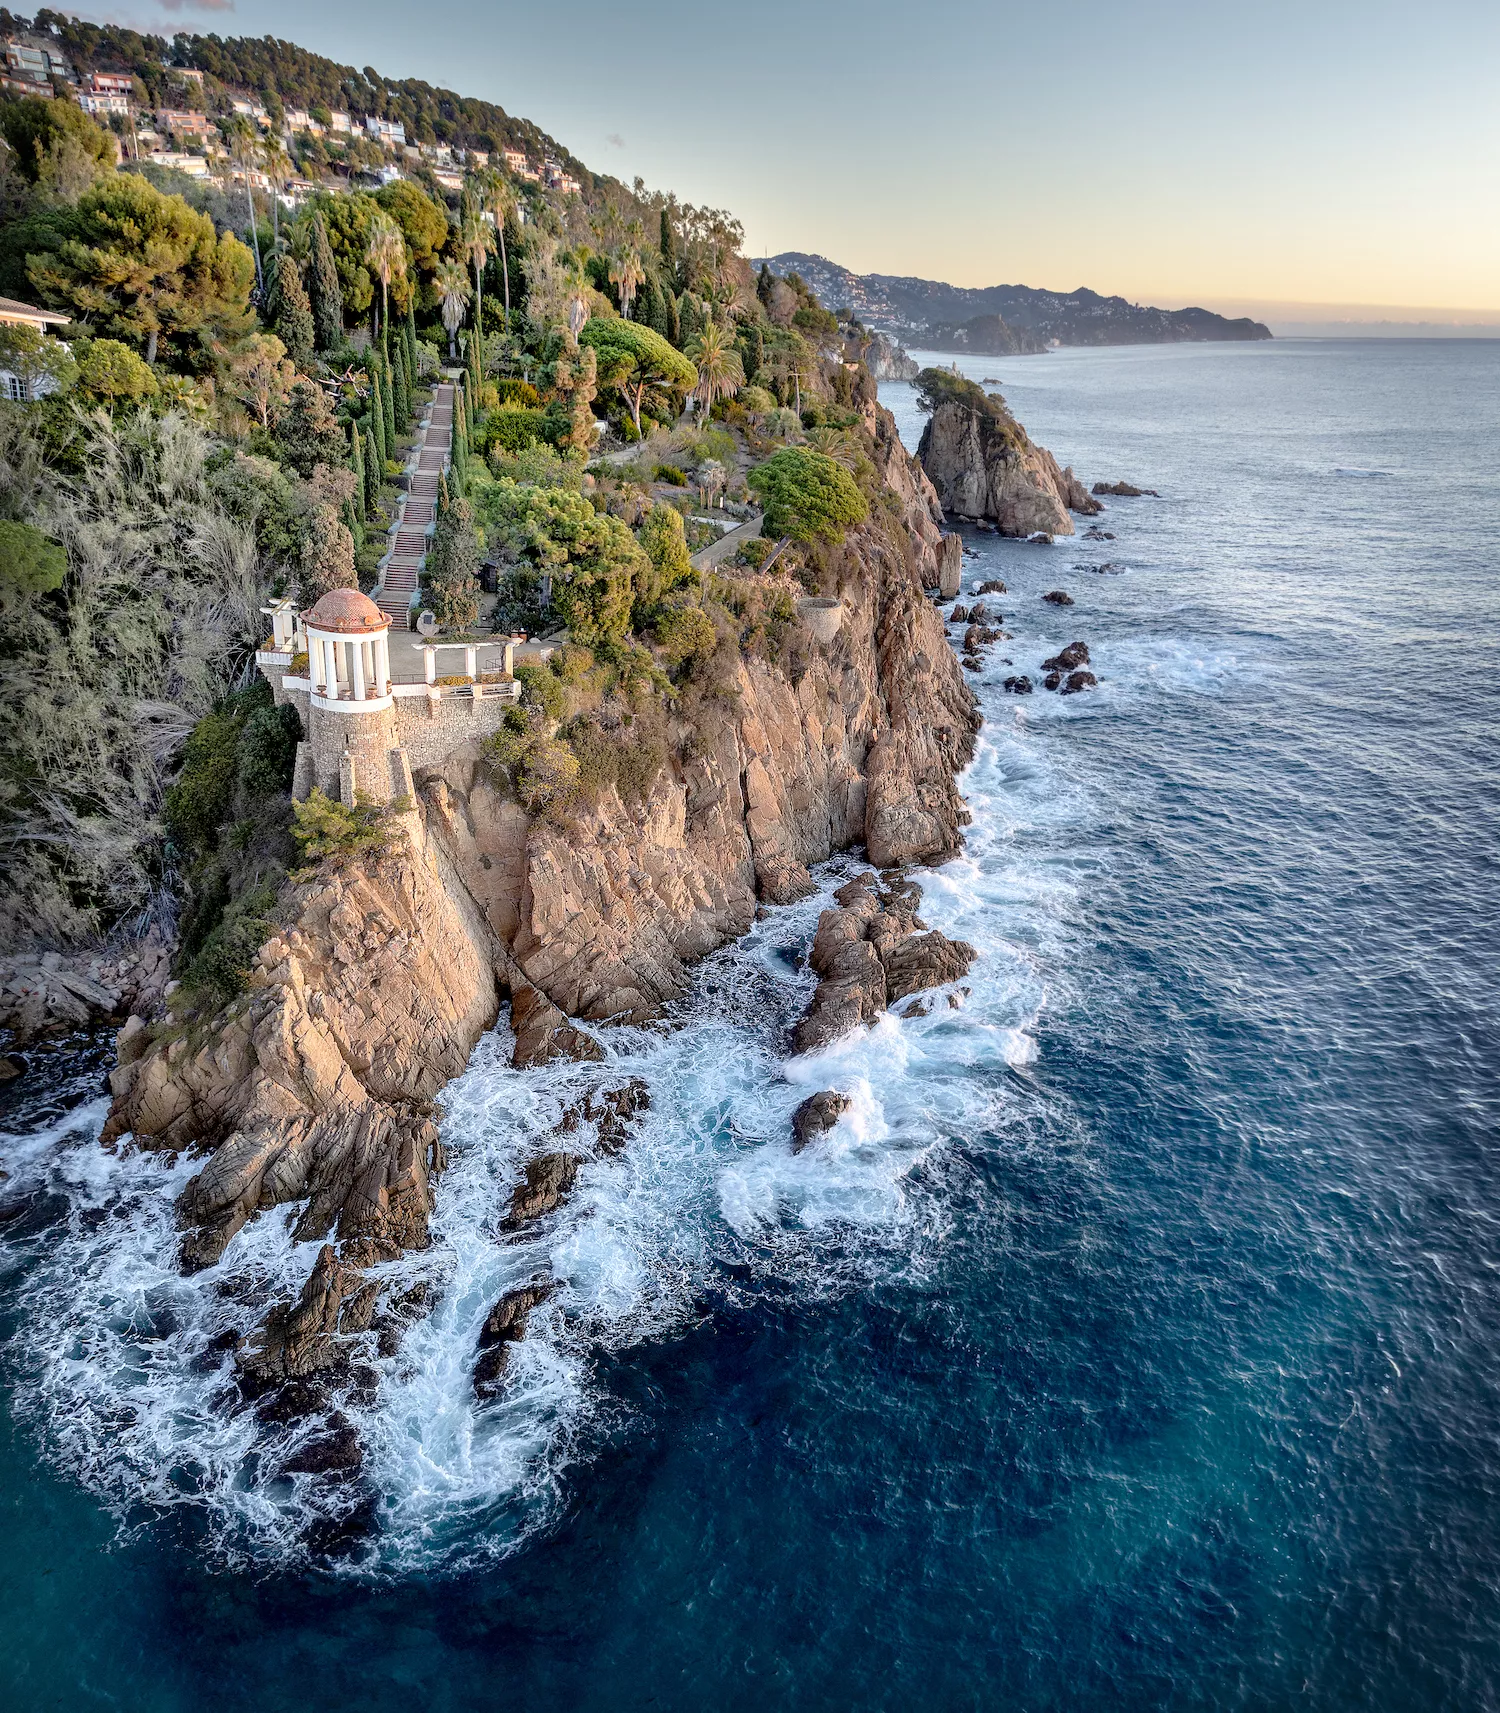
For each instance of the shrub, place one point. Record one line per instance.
(324, 829)
(807, 496)
(542, 689)
(224, 960)
(512, 429)
(112, 373)
(684, 633)
(670, 473)
(30, 564)
(665, 543)
(198, 801)
(514, 392)
(547, 776)
(756, 399)
(268, 750)
(755, 552)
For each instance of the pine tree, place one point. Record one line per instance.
(294, 316)
(372, 471)
(326, 295)
(668, 252)
(756, 355)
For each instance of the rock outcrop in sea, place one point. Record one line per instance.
(986, 468)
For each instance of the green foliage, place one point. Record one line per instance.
(30, 564)
(670, 473)
(307, 433)
(111, 374)
(756, 399)
(48, 136)
(268, 751)
(543, 690)
(684, 633)
(326, 831)
(139, 266)
(326, 293)
(517, 392)
(540, 464)
(423, 225)
(665, 544)
(256, 492)
(346, 219)
(629, 759)
(294, 316)
(453, 568)
(218, 971)
(807, 496)
(198, 802)
(636, 361)
(37, 361)
(593, 558)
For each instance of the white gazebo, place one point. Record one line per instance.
(348, 651)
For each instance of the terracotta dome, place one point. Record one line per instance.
(347, 611)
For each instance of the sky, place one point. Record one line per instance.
(1297, 154)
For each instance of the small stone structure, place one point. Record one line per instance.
(363, 732)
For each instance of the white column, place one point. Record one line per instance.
(357, 667)
(471, 664)
(317, 660)
(429, 662)
(331, 668)
(383, 663)
(510, 658)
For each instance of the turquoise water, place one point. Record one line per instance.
(1132, 1343)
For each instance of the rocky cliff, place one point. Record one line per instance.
(984, 467)
(314, 1086)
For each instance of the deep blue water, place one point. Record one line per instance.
(1135, 1343)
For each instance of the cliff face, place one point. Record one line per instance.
(886, 360)
(314, 1086)
(984, 467)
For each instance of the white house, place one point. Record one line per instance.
(15, 314)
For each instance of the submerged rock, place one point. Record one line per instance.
(1020, 685)
(543, 1033)
(504, 1326)
(993, 587)
(1124, 491)
(549, 1178)
(1077, 681)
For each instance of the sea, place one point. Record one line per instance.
(1134, 1340)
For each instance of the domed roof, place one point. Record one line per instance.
(348, 611)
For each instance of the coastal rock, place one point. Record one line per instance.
(302, 1339)
(817, 1114)
(504, 1326)
(1094, 533)
(1052, 681)
(993, 587)
(983, 466)
(612, 1112)
(1020, 685)
(1058, 597)
(1124, 491)
(950, 566)
(1075, 654)
(868, 952)
(549, 1178)
(543, 1033)
(1077, 681)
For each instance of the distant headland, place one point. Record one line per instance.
(999, 321)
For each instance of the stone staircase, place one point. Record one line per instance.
(393, 597)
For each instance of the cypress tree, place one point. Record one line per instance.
(357, 463)
(756, 355)
(400, 389)
(413, 368)
(668, 251)
(388, 405)
(442, 497)
(372, 471)
(326, 294)
(764, 284)
(294, 317)
(673, 319)
(687, 320)
(377, 413)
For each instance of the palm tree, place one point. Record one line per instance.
(386, 254)
(452, 282)
(720, 372)
(278, 164)
(474, 246)
(627, 273)
(243, 144)
(500, 200)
